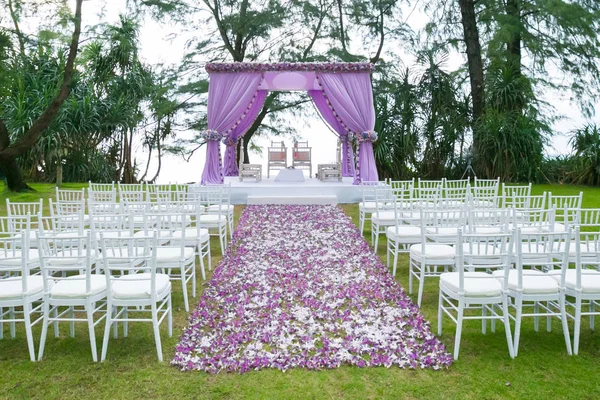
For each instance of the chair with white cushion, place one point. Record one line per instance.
(566, 207)
(215, 221)
(70, 287)
(531, 288)
(385, 214)
(21, 209)
(20, 291)
(405, 232)
(141, 290)
(367, 206)
(434, 254)
(489, 221)
(471, 287)
(582, 283)
(511, 191)
(225, 207)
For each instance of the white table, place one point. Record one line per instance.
(290, 175)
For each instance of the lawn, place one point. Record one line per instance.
(484, 369)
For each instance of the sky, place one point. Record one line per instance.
(161, 43)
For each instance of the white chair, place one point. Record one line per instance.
(174, 258)
(301, 156)
(102, 197)
(246, 170)
(225, 207)
(215, 221)
(582, 283)
(20, 291)
(531, 288)
(141, 288)
(489, 221)
(472, 287)
(406, 230)
(21, 209)
(132, 193)
(70, 286)
(277, 157)
(565, 207)
(385, 214)
(67, 209)
(434, 254)
(367, 206)
(486, 190)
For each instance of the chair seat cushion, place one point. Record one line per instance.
(369, 206)
(476, 284)
(490, 230)
(13, 258)
(75, 286)
(224, 208)
(480, 249)
(138, 286)
(173, 254)
(69, 259)
(534, 282)
(212, 219)
(432, 251)
(404, 233)
(193, 234)
(13, 287)
(383, 217)
(590, 280)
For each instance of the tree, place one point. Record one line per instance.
(13, 146)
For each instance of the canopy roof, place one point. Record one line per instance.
(289, 76)
(289, 67)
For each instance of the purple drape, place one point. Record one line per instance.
(229, 96)
(230, 166)
(351, 96)
(327, 113)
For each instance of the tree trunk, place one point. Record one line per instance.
(12, 173)
(475, 63)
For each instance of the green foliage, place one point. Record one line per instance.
(586, 145)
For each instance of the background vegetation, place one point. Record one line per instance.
(73, 103)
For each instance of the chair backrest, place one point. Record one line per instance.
(533, 218)
(16, 224)
(428, 184)
(511, 191)
(101, 187)
(278, 153)
(368, 189)
(587, 218)
(60, 254)
(483, 251)
(482, 202)
(14, 249)
(565, 205)
(587, 254)
(459, 193)
(428, 194)
(525, 202)
(126, 257)
(105, 222)
(545, 251)
(70, 196)
(132, 192)
(483, 183)
(435, 221)
(159, 192)
(455, 183)
(489, 221)
(402, 185)
(108, 196)
(66, 208)
(62, 222)
(34, 208)
(277, 144)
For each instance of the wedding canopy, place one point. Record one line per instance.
(342, 94)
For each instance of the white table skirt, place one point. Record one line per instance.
(290, 175)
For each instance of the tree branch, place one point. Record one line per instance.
(375, 58)
(342, 33)
(239, 35)
(4, 136)
(15, 20)
(316, 34)
(221, 27)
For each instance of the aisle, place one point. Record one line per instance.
(299, 287)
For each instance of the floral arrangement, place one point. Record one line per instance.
(211, 134)
(300, 287)
(230, 141)
(291, 67)
(366, 136)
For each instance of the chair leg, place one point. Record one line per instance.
(440, 312)
(90, 321)
(518, 317)
(483, 320)
(459, 322)
(193, 277)
(577, 328)
(56, 332)
(72, 323)
(421, 285)
(509, 340)
(109, 312)
(170, 316)
(1, 323)
(375, 230)
(45, 322)
(28, 333)
(536, 318)
(361, 217)
(156, 333)
(186, 303)
(396, 251)
(387, 255)
(410, 275)
(209, 256)
(565, 324)
(13, 325)
(592, 311)
(125, 321)
(548, 319)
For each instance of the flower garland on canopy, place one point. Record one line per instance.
(289, 67)
(211, 134)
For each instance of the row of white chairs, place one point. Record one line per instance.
(129, 279)
(551, 274)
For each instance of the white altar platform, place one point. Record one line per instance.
(345, 191)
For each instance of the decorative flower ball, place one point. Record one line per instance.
(229, 141)
(211, 134)
(367, 136)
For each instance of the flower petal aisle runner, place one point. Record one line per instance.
(299, 287)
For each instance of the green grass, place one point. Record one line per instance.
(484, 369)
